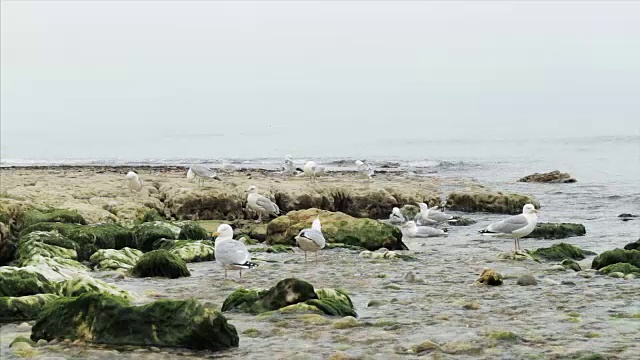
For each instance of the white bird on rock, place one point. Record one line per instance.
(422, 218)
(411, 230)
(396, 217)
(201, 173)
(261, 204)
(312, 170)
(364, 169)
(515, 227)
(133, 181)
(311, 240)
(288, 168)
(231, 254)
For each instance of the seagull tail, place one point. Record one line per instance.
(487, 232)
(247, 265)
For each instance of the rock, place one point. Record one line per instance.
(571, 264)
(111, 259)
(16, 282)
(22, 344)
(54, 268)
(425, 346)
(550, 177)
(375, 303)
(503, 336)
(568, 282)
(148, 233)
(251, 229)
(461, 221)
(527, 280)
(557, 268)
(493, 202)
(489, 277)
(90, 238)
(624, 268)
(33, 216)
(7, 245)
(366, 254)
(152, 215)
(550, 282)
(518, 255)
(46, 244)
(471, 306)
(336, 227)
(585, 274)
(411, 278)
(561, 251)
(23, 307)
(160, 263)
(212, 202)
(99, 318)
(288, 292)
(191, 230)
(83, 284)
(630, 276)
(616, 274)
(557, 231)
(42, 342)
(627, 217)
(633, 245)
(188, 250)
(616, 256)
(409, 211)
(346, 323)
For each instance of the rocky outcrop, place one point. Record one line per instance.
(32, 217)
(551, 177)
(83, 284)
(561, 251)
(188, 250)
(290, 292)
(16, 282)
(633, 245)
(489, 277)
(7, 245)
(111, 259)
(191, 230)
(160, 263)
(557, 231)
(487, 201)
(616, 256)
(624, 268)
(23, 308)
(337, 228)
(148, 233)
(104, 319)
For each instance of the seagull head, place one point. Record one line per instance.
(316, 224)
(395, 211)
(529, 209)
(252, 189)
(224, 231)
(288, 157)
(423, 207)
(131, 175)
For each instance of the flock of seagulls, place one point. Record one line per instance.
(233, 255)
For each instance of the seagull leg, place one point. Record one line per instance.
(259, 218)
(305, 256)
(316, 256)
(515, 245)
(240, 273)
(225, 274)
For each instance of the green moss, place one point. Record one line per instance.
(616, 256)
(624, 268)
(22, 339)
(38, 243)
(111, 259)
(188, 250)
(160, 263)
(561, 251)
(493, 202)
(152, 215)
(24, 307)
(99, 318)
(626, 316)
(633, 245)
(333, 302)
(191, 230)
(31, 217)
(82, 284)
(557, 231)
(571, 264)
(148, 233)
(252, 333)
(16, 282)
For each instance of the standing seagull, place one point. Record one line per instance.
(260, 204)
(288, 168)
(438, 216)
(422, 218)
(396, 217)
(364, 169)
(133, 181)
(311, 239)
(312, 170)
(411, 230)
(516, 226)
(230, 253)
(201, 173)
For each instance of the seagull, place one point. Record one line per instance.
(201, 173)
(230, 253)
(133, 181)
(396, 217)
(422, 218)
(260, 204)
(311, 239)
(364, 169)
(312, 170)
(288, 167)
(515, 226)
(228, 168)
(411, 230)
(435, 215)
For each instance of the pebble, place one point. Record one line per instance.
(42, 342)
(346, 322)
(24, 326)
(375, 303)
(585, 274)
(410, 277)
(21, 346)
(154, 348)
(366, 254)
(557, 268)
(616, 274)
(471, 306)
(630, 277)
(526, 280)
(568, 282)
(550, 281)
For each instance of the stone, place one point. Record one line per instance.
(550, 282)
(630, 276)
(33, 216)
(83, 284)
(148, 233)
(16, 282)
(616, 274)
(188, 250)
(23, 307)
(191, 230)
(627, 217)
(551, 177)
(337, 228)
(471, 306)
(425, 346)
(616, 256)
(557, 268)
(346, 322)
(489, 277)
(104, 319)
(483, 200)
(7, 244)
(42, 342)
(571, 264)
(519, 255)
(46, 244)
(527, 280)
(561, 251)
(160, 263)
(585, 274)
(633, 245)
(624, 268)
(375, 303)
(111, 259)
(557, 231)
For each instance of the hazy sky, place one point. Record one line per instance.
(87, 79)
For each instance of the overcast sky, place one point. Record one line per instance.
(173, 79)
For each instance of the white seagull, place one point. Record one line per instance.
(311, 240)
(422, 218)
(411, 230)
(312, 170)
(435, 215)
(396, 217)
(201, 173)
(516, 226)
(364, 169)
(261, 204)
(288, 168)
(230, 253)
(133, 181)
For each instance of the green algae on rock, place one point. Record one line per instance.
(152, 215)
(489, 277)
(571, 264)
(15, 282)
(148, 233)
(615, 256)
(40, 243)
(519, 255)
(23, 307)
(105, 319)
(111, 259)
(633, 245)
(160, 263)
(561, 251)
(54, 268)
(551, 177)
(33, 216)
(337, 227)
(624, 268)
(290, 292)
(188, 250)
(557, 231)
(493, 202)
(191, 230)
(83, 284)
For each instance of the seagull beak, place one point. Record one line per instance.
(216, 234)
(536, 211)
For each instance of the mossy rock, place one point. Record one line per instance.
(148, 233)
(152, 215)
(160, 263)
(250, 229)
(557, 231)
(83, 284)
(188, 250)
(54, 268)
(489, 277)
(336, 227)
(90, 238)
(191, 230)
(8, 245)
(624, 268)
(409, 211)
(16, 282)
(111, 259)
(105, 319)
(616, 256)
(571, 264)
(33, 216)
(286, 293)
(486, 201)
(633, 245)
(23, 308)
(46, 244)
(561, 251)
